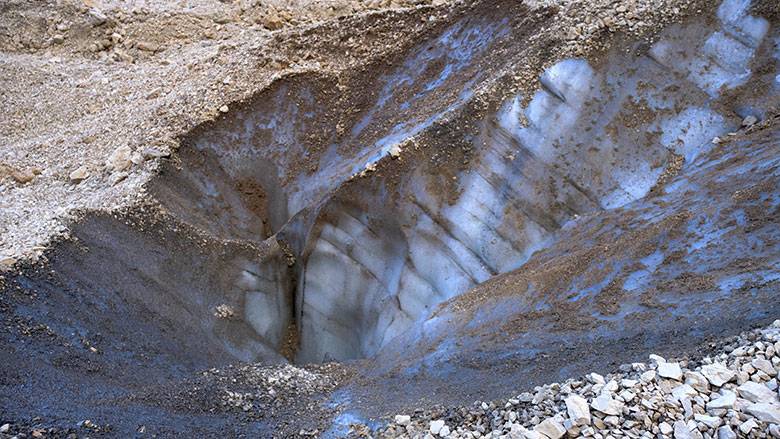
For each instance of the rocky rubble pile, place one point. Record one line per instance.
(261, 386)
(728, 395)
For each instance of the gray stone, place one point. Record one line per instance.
(595, 378)
(755, 392)
(681, 431)
(648, 376)
(726, 400)
(79, 174)
(551, 427)
(525, 397)
(119, 160)
(709, 421)
(749, 121)
(697, 381)
(683, 391)
(748, 426)
(726, 432)
(436, 426)
(605, 404)
(764, 366)
(717, 374)
(670, 370)
(578, 410)
(765, 412)
(153, 153)
(403, 419)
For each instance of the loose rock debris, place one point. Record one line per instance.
(731, 393)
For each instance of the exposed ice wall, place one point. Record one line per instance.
(590, 138)
(372, 263)
(298, 109)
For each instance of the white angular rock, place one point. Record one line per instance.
(612, 386)
(717, 374)
(765, 412)
(683, 391)
(764, 366)
(725, 400)
(755, 392)
(670, 370)
(665, 428)
(709, 421)
(681, 431)
(578, 410)
(605, 404)
(444, 432)
(656, 359)
(747, 426)
(648, 377)
(119, 160)
(436, 426)
(627, 395)
(525, 397)
(595, 378)
(517, 431)
(540, 396)
(551, 427)
(530, 434)
(697, 381)
(686, 403)
(726, 432)
(612, 421)
(403, 420)
(79, 174)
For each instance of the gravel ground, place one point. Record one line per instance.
(731, 393)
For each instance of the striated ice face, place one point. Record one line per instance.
(589, 139)
(377, 255)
